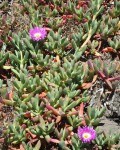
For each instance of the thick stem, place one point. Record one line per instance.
(89, 34)
(56, 112)
(21, 61)
(88, 38)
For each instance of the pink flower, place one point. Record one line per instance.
(86, 134)
(37, 33)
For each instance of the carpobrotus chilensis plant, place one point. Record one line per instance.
(56, 55)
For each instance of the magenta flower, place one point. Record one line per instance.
(86, 134)
(37, 33)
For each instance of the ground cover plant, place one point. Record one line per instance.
(59, 74)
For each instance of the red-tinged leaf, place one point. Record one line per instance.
(81, 109)
(35, 119)
(2, 140)
(87, 53)
(57, 59)
(23, 126)
(31, 134)
(97, 36)
(52, 5)
(109, 84)
(52, 84)
(86, 117)
(83, 123)
(86, 85)
(101, 75)
(27, 135)
(32, 141)
(7, 95)
(5, 77)
(85, 67)
(22, 147)
(1, 42)
(64, 17)
(1, 100)
(41, 1)
(16, 5)
(113, 79)
(48, 29)
(94, 78)
(55, 111)
(90, 64)
(69, 16)
(69, 46)
(64, 21)
(9, 38)
(42, 95)
(27, 114)
(59, 9)
(13, 148)
(54, 141)
(80, 4)
(72, 133)
(108, 49)
(11, 95)
(58, 119)
(84, 21)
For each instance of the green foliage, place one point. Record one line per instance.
(94, 116)
(3, 58)
(55, 23)
(18, 134)
(43, 129)
(76, 143)
(108, 27)
(115, 11)
(28, 147)
(74, 121)
(109, 140)
(115, 43)
(1, 82)
(56, 43)
(99, 66)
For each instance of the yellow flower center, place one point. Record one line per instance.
(37, 35)
(86, 135)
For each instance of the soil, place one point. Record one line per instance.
(110, 124)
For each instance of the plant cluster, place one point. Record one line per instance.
(48, 63)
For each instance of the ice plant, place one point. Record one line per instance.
(48, 80)
(37, 33)
(86, 134)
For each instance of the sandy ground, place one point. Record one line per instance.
(109, 124)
